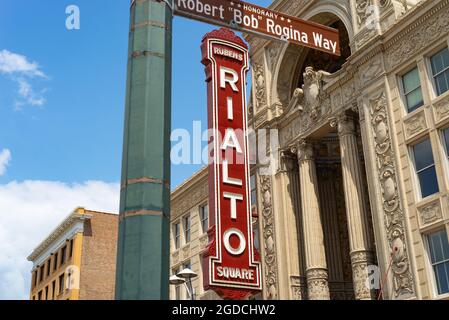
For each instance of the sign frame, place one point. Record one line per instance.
(214, 252)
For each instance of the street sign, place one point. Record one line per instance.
(231, 265)
(250, 18)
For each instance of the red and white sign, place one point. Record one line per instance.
(230, 263)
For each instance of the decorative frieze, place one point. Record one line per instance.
(415, 125)
(260, 90)
(441, 109)
(428, 29)
(269, 241)
(430, 213)
(393, 215)
(361, 8)
(299, 288)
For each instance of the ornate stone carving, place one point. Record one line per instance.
(430, 213)
(317, 284)
(441, 109)
(272, 53)
(311, 98)
(427, 30)
(364, 36)
(360, 260)
(345, 124)
(292, 7)
(204, 240)
(260, 90)
(299, 288)
(403, 281)
(313, 91)
(415, 125)
(361, 7)
(271, 273)
(304, 150)
(371, 70)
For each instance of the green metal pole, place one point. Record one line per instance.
(143, 246)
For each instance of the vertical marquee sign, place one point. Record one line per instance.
(230, 257)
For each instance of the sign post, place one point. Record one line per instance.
(231, 265)
(143, 244)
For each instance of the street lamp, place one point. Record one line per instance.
(185, 276)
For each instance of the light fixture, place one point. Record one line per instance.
(175, 280)
(187, 274)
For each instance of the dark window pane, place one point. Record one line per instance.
(428, 182)
(423, 154)
(446, 58)
(441, 277)
(440, 61)
(441, 83)
(437, 63)
(445, 245)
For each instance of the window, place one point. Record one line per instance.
(425, 168)
(412, 90)
(253, 190)
(71, 248)
(440, 71)
(46, 293)
(204, 216)
(39, 295)
(35, 278)
(48, 267)
(61, 283)
(55, 262)
(53, 289)
(41, 273)
(187, 265)
(63, 254)
(439, 257)
(176, 234)
(186, 225)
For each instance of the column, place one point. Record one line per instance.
(143, 240)
(316, 268)
(356, 210)
(290, 260)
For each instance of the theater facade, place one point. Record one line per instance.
(354, 202)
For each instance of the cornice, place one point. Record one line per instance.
(63, 227)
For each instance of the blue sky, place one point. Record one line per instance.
(62, 97)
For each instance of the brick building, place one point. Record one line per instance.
(77, 260)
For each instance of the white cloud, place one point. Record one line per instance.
(5, 157)
(22, 71)
(29, 210)
(27, 94)
(11, 63)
